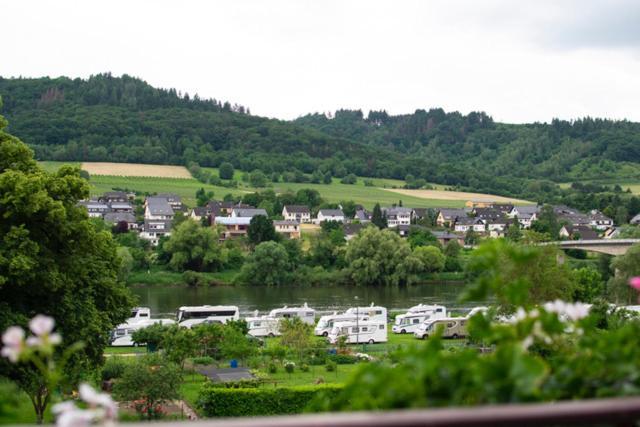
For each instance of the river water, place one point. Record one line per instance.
(164, 300)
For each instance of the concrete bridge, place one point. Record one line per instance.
(604, 246)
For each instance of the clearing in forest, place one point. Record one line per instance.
(458, 195)
(136, 169)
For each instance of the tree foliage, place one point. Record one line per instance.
(193, 247)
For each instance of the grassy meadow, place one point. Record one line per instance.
(335, 192)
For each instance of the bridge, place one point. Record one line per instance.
(603, 246)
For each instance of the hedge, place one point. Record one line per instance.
(238, 402)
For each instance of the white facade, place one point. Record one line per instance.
(329, 215)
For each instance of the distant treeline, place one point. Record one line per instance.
(125, 119)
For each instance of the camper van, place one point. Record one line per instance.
(325, 324)
(264, 326)
(369, 331)
(121, 336)
(304, 313)
(139, 314)
(195, 315)
(453, 327)
(373, 312)
(408, 322)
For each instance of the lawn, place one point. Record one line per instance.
(51, 166)
(116, 351)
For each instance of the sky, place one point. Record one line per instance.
(519, 61)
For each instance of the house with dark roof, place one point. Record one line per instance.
(362, 216)
(95, 209)
(599, 221)
(445, 237)
(330, 215)
(154, 229)
(466, 223)
(248, 212)
(578, 232)
(447, 217)
(158, 208)
(114, 218)
(114, 197)
(525, 214)
(232, 226)
(174, 200)
(121, 207)
(298, 213)
(200, 212)
(288, 228)
(352, 229)
(397, 216)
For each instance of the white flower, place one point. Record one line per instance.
(13, 340)
(55, 339)
(577, 311)
(34, 341)
(557, 306)
(103, 400)
(521, 314)
(41, 325)
(76, 418)
(61, 407)
(527, 342)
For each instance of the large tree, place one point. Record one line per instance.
(267, 265)
(193, 247)
(381, 257)
(260, 230)
(53, 260)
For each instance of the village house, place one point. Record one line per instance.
(154, 229)
(445, 237)
(419, 213)
(447, 217)
(525, 214)
(114, 197)
(158, 208)
(247, 212)
(330, 215)
(288, 228)
(232, 226)
(114, 218)
(299, 213)
(174, 200)
(599, 221)
(578, 232)
(200, 212)
(403, 229)
(465, 223)
(397, 216)
(120, 207)
(95, 209)
(352, 229)
(488, 214)
(362, 216)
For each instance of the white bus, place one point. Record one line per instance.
(194, 315)
(408, 322)
(121, 336)
(369, 331)
(373, 312)
(325, 324)
(304, 313)
(263, 326)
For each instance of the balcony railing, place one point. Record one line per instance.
(619, 412)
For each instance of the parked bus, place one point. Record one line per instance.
(195, 315)
(304, 313)
(368, 331)
(325, 324)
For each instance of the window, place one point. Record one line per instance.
(144, 314)
(378, 312)
(355, 330)
(364, 329)
(256, 324)
(416, 321)
(309, 314)
(381, 327)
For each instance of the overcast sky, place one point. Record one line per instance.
(518, 61)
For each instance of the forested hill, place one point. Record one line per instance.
(125, 119)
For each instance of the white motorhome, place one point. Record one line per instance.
(190, 316)
(373, 312)
(453, 327)
(263, 326)
(121, 336)
(139, 314)
(369, 331)
(325, 324)
(408, 322)
(304, 313)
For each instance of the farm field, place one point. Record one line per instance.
(134, 169)
(457, 195)
(51, 166)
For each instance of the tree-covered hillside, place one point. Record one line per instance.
(125, 119)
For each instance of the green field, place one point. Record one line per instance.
(51, 166)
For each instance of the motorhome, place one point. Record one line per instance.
(408, 322)
(369, 331)
(121, 336)
(194, 315)
(373, 312)
(325, 324)
(263, 326)
(453, 327)
(139, 314)
(304, 313)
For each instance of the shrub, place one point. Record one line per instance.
(272, 368)
(203, 360)
(343, 359)
(289, 367)
(113, 368)
(330, 366)
(304, 367)
(232, 402)
(242, 383)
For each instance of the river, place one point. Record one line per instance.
(164, 300)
